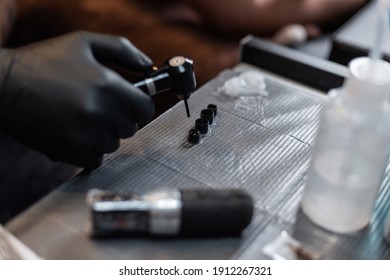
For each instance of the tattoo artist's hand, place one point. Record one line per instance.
(57, 98)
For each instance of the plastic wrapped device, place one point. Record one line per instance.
(351, 150)
(170, 212)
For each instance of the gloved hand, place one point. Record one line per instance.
(57, 98)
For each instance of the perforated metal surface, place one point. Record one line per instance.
(261, 145)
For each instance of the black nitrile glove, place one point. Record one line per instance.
(56, 97)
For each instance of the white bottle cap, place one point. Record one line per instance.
(368, 79)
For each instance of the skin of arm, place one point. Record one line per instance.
(7, 15)
(263, 17)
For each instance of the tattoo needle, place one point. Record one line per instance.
(187, 108)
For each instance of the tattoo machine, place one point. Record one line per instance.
(176, 75)
(170, 212)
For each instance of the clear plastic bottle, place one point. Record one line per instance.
(386, 228)
(351, 150)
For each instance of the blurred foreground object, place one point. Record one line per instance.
(351, 150)
(7, 15)
(170, 212)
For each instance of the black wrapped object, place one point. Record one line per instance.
(215, 212)
(170, 212)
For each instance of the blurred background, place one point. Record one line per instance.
(206, 31)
